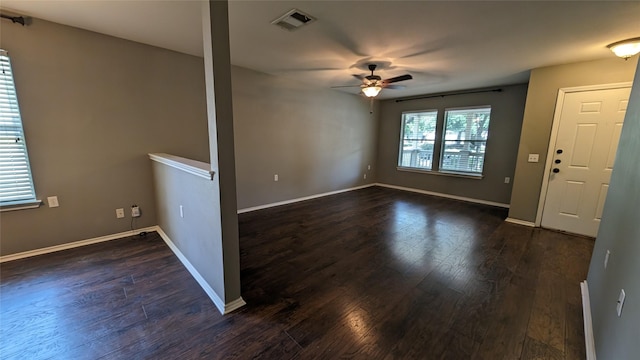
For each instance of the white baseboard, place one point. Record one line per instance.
(74, 244)
(235, 304)
(266, 206)
(520, 222)
(448, 196)
(589, 342)
(219, 303)
(222, 307)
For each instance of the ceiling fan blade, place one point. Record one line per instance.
(398, 78)
(345, 86)
(395, 87)
(359, 77)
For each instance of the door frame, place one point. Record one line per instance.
(554, 135)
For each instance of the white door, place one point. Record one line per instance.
(583, 157)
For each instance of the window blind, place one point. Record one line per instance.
(16, 183)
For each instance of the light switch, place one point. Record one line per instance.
(534, 158)
(620, 302)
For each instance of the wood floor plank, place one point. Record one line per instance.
(506, 334)
(548, 317)
(536, 350)
(369, 274)
(574, 342)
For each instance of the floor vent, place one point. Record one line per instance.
(293, 19)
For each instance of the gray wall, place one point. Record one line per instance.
(197, 234)
(315, 140)
(504, 129)
(544, 84)
(217, 64)
(617, 337)
(93, 106)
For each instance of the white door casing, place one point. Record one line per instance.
(587, 128)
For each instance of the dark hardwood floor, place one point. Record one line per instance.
(369, 274)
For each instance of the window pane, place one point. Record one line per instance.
(16, 184)
(418, 137)
(466, 133)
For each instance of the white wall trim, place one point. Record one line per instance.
(218, 302)
(589, 342)
(74, 244)
(554, 135)
(520, 222)
(194, 167)
(448, 196)
(260, 207)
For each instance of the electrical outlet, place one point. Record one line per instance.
(534, 158)
(135, 211)
(365, 176)
(181, 211)
(606, 258)
(507, 180)
(275, 177)
(120, 213)
(368, 167)
(53, 201)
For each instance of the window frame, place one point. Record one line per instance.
(402, 139)
(439, 144)
(15, 128)
(444, 141)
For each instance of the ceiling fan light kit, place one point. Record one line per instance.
(371, 90)
(373, 84)
(625, 48)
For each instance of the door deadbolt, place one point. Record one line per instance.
(558, 161)
(559, 151)
(556, 170)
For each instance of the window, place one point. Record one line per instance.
(418, 139)
(465, 138)
(16, 184)
(460, 139)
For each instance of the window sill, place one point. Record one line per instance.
(20, 205)
(441, 173)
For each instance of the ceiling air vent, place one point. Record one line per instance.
(293, 20)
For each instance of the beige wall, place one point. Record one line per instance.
(93, 106)
(544, 84)
(504, 128)
(617, 337)
(315, 140)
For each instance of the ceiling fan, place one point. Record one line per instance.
(372, 84)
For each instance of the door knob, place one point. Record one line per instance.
(556, 170)
(557, 161)
(559, 151)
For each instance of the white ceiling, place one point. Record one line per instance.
(445, 45)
